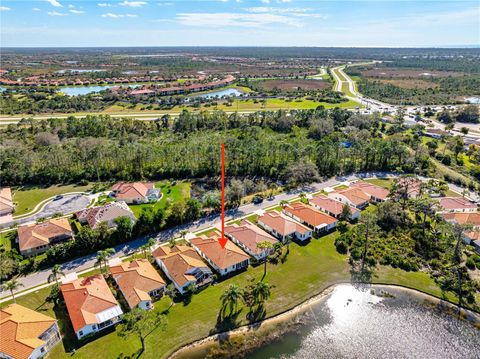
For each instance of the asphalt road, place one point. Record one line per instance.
(88, 262)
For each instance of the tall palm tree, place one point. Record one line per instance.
(267, 246)
(102, 258)
(171, 292)
(56, 272)
(261, 291)
(230, 298)
(12, 285)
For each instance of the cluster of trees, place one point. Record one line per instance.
(269, 144)
(408, 233)
(32, 101)
(469, 113)
(449, 88)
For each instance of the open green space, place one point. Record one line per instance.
(7, 239)
(171, 193)
(26, 198)
(382, 182)
(306, 271)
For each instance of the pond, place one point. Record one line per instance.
(352, 323)
(220, 93)
(85, 90)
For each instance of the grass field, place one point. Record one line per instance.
(307, 271)
(170, 194)
(26, 198)
(7, 239)
(382, 182)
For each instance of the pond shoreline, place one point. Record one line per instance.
(287, 321)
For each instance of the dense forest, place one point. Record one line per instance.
(268, 144)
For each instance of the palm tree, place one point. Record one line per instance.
(183, 233)
(146, 248)
(261, 292)
(230, 298)
(56, 272)
(283, 203)
(267, 246)
(12, 285)
(172, 242)
(102, 257)
(171, 292)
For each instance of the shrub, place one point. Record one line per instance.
(341, 247)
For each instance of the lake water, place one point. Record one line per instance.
(85, 90)
(351, 323)
(226, 92)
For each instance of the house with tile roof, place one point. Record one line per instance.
(90, 304)
(108, 213)
(309, 216)
(225, 260)
(247, 236)
(34, 239)
(354, 197)
(25, 333)
(183, 266)
(136, 192)
(377, 193)
(6, 203)
(139, 282)
(456, 204)
(411, 185)
(283, 227)
(333, 207)
(470, 218)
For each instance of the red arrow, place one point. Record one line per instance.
(222, 240)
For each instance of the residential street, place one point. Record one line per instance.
(87, 262)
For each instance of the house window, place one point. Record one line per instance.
(42, 350)
(80, 333)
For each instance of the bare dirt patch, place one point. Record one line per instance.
(294, 85)
(385, 72)
(410, 83)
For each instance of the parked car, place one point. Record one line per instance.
(257, 199)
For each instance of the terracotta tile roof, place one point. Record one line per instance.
(20, 329)
(6, 202)
(249, 235)
(372, 189)
(472, 218)
(106, 213)
(136, 279)
(126, 190)
(330, 205)
(179, 261)
(221, 257)
(85, 298)
(473, 235)
(282, 224)
(35, 235)
(355, 195)
(456, 203)
(309, 214)
(413, 185)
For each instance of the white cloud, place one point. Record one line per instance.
(133, 3)
(4, 8)
(233, 19)
(77, 11)
(284, 1)
(35, 9)
(265, 1)
(165, 3)
(117, 16)
(56, 13)
(54, 3)
(71, 6)
(104, 4)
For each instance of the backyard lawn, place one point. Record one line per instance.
(307, 271)
(7, 239)
(26, 198)
(180, 191)
(382, 182)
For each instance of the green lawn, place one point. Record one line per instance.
(170, 194)
(382, 182)
(7, 239)
(307, 271)
(26, 198)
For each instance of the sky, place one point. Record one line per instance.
(388, 23)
